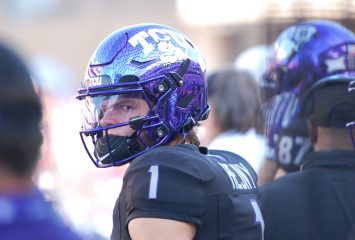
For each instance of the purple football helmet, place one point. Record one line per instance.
(304, 57)
(311, 53)
(155, 64)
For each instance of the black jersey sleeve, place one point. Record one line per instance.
(167, 183)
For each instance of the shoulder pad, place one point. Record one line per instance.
(182, 158)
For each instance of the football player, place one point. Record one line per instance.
(24, 212)
(312, 64)
(143, 93)
(286, 145)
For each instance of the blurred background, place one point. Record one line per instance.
(57, 37)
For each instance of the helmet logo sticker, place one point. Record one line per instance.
(97, 81)
(140, 38)
(302, 34)
(168, 38)
(335, 64)
(297, 36)
(170, 53)
(351, 56)
(338, 59)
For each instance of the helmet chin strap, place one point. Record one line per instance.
(110, 149)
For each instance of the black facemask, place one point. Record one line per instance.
(121, 148)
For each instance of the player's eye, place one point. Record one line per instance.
(122, 107)
(125, 108)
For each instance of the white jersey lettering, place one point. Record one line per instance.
(239, 176)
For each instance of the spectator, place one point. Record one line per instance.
(24, 213)
(235, 121)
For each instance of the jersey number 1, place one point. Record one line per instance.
(258, 217)
(153, 184)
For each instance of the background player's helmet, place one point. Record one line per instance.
(304, 56)
(351, 125)
(311, 53)
(155, 63)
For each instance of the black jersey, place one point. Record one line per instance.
(292, 143)
(317, 203)
(215, 192)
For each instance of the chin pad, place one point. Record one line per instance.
(118, 145)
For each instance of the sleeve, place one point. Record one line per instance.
(278, 113)
(270, 152)
(159, 191)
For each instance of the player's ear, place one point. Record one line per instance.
(312, 131)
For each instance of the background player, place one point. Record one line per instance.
(286, 145)
(312, 65)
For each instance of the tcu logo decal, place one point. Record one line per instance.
(302, 34)
(294, 38)
(160, 36)
(97, 81)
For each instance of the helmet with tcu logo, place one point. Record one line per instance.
(311, 53)
(304, 57)
(144, 84)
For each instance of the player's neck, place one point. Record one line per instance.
(178, 140)
(330, 139)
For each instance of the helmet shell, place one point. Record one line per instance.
(309, 53)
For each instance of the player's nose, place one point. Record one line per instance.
(107, 119)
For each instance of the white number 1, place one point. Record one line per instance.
(258, 217)
(153, 184)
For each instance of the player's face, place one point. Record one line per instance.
(119, 110)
